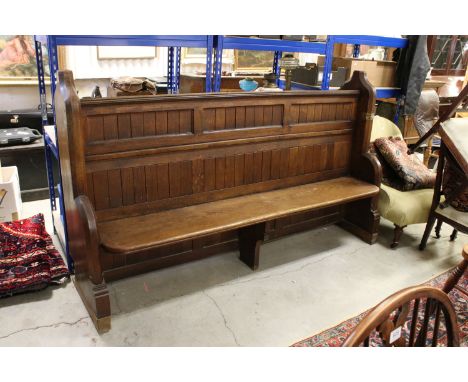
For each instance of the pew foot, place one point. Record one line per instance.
(250, 240)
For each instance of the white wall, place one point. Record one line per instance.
(27, 96)
(83, 61)
(89, 71)
(19, 97)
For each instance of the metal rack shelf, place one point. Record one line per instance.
(247, 43)
(325, 48)
(357, 41)
(174, 43)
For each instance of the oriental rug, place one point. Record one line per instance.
(336, 335)
(28, 259)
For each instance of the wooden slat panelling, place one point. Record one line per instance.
(198, 175)
(248, 168)
(220, 168)
(128, 195)
(161, 122)
(230, 118)
(173, 122)
(136, 121)
(149, 124)
(151, 175)
(163, 181)
(230, 172)
(115, 188)
(239, 170)
(124, 126)
(139, 179)
(210, 174)
(174, 171)
(240, 117)
(110, 127)
(95, 131)
(101, 190)
(186, 121)
(275, 164)
(250, 116)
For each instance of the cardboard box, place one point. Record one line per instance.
(379, 73)
(10, 194)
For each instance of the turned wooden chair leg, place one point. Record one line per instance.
(457, 272)
(438, 227)
(453, 236)
(427, 231)
(396, 236)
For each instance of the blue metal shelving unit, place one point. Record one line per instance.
(214, 46)
(246, 43)
(357, 41)
(174, 43)
(325, 48)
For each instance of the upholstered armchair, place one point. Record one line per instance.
(402, 208)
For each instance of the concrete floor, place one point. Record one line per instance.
(305, 283)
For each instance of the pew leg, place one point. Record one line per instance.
(84, 248)
(96, 299)
(362, 219)
(250, 240)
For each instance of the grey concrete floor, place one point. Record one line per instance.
(306, 282)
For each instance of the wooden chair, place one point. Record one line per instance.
(454, 150)
(426, 306)
(457, 273)
(427, 113)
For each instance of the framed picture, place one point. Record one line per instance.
(253, 60)
(199, 53)
(18, 59)
(126, 52)
(193, 52)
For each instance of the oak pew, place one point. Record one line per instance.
(152, 181)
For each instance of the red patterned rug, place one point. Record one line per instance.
(336, 335)
(28, 259)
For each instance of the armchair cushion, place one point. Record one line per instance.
(389, 175)
(408, 167)
(405, 208)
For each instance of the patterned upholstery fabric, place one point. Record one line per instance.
(28, 258)
(408, 167)
(389, 176)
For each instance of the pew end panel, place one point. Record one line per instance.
(362, 217)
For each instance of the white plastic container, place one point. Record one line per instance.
(10, 194)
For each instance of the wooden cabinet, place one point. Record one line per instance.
(448, 54)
